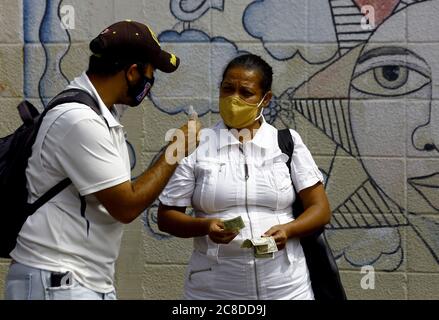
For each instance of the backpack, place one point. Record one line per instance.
(323, 270)
(15, 151)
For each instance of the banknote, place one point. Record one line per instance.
(234, 224)
(264, 247)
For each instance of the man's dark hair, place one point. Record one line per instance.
(105, 67)
(253, 62)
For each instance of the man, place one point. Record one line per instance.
(67, 249)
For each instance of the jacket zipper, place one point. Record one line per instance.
(248, 215)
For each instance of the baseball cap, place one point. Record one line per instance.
(130, 42)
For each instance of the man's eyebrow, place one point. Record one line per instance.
(387, 51)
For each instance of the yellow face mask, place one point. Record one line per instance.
(237, 113)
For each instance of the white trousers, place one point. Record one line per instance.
(27, 283)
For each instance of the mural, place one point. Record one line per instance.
(41, 24)
(369, 98)
(359, 116)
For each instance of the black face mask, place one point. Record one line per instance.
(139, 91)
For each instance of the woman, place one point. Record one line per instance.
(239, 170)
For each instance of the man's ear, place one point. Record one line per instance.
(132, 73)
(267, 99)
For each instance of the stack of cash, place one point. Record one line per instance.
(234, 224)
(264, 247)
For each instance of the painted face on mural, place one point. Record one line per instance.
(394, 105)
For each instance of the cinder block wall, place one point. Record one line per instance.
(363, 94)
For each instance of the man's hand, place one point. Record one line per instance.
(183, 140)
(191, 131)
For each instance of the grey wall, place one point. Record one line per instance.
(365, 102)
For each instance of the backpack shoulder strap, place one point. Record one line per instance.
(70, 95)
(286, 144)
(75, 95)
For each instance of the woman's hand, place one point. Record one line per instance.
(279, 233)
(217, 233)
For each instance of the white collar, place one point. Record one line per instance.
(262, 138)
(84, 83)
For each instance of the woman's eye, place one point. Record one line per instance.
(247, 94)
(390, 80)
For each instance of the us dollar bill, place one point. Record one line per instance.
(264, 247)
(234, 224)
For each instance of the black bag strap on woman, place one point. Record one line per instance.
(323, 270)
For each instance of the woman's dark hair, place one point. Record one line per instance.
(252, 62)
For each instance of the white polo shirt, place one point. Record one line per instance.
(213, 181)
(75, 142)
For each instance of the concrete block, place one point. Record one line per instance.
(421, 20)
(91, 18)
(231, 21)
(11, 18)
(422, 186)
(319, 144)
(423, 286)
(424, 66)
(394, 29)
(131, 256)
(388, 286)
(129, 286)
(379, 127)
(34, 64)
(422, 244)
(11, 71)
(320, 23)
(135, 10)
(158, 250)
(163, 282)
(191, 78)
(388, 174)
(344, 174)
(43, 71)
(4, 267)
(76, 60)
(10, 118)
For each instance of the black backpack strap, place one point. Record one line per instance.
(67, 96)
(60, 186)
(28, 113)
(74, 95)
(286, 145)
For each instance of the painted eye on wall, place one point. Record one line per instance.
(391, 77)
(390, 81)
